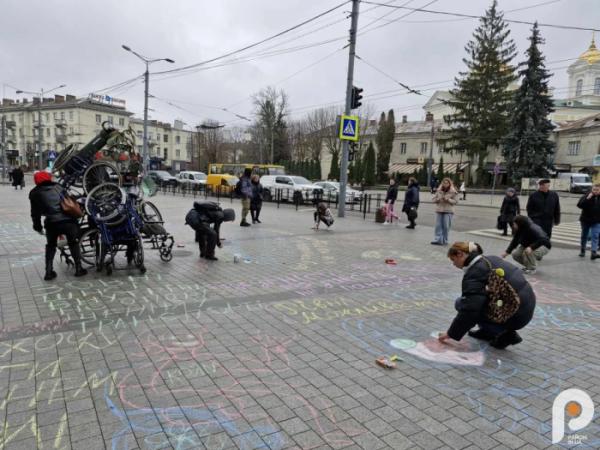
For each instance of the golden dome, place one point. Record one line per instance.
(592, 54)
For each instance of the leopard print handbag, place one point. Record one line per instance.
(503, 300)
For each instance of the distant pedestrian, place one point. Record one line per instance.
(257, 198)
(510, 209)
(500, 328)
(411, 202)
(205, 219)
(543, 207)
(433, 184)
(463, 190)
(18, 178)
(445, 199)
(590, 220)
(322, 214)
(363, 185)
(390, 199)
(529, 244)
(244, 190)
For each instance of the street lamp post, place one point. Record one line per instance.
(40, 134)
(147, 61)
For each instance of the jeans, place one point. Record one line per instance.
(443, 222)
(529, 261)
(586, 230)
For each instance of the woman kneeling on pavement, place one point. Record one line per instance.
(472, 306)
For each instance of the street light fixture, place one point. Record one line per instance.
(147, 61)
(40, 134)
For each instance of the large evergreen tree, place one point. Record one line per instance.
(369, 169)
(481, 99)
(528, 149)
(334, 171)
(384, 141)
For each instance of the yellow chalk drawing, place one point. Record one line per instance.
(61, 431)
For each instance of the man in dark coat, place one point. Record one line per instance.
(543, 207)
(590, 220)
(510, 209)
(45, 199)
(206, 218)
(17, 178)
(471, 306)
(244, 190)
(529, 244)
(411, 202)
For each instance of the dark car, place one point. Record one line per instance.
(162, 178)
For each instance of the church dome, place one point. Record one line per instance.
(592, 54)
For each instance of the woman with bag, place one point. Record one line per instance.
(445, 198)
(510, 209)
(49, 199)
(411, 202)
(495, 295)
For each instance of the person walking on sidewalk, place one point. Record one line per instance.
(45, 199)
(411, 202)
(510, 209)
(529, 245)
(390, 199)
(445, 198)
(18, 178)
(257, 198)
(463, 190)
(543, 207)
(244, 190)
(590, 220)
(472, 305)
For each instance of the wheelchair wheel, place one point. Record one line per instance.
(63, 158)
(98, 173)
(138, 255)
(88, 243)
(100, 254)
(149, 213)
(104, 201)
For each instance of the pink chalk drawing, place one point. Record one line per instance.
(461, 353)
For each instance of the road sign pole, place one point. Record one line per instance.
(345, 144)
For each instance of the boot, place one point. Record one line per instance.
(79, 270)
(243, 223)
(505, 339)
(50, 273)
(582, 252)
(594, 256)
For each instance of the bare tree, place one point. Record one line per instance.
(210, 142)
(271, 111)
(235, 143)
(320, 125)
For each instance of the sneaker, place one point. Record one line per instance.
(258, 221)
(410, 227)
(505, 339)
(245, 224)
(386, 223)
(594, 256)
(436, 243)
(582, 253)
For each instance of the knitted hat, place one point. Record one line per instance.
(40, 176)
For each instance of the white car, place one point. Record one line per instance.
(191, 179)
(288, 186)
(332, 188)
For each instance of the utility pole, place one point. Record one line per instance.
(145, 157)
(3, 141)
(430, 161)
(40, 132)
(349, 84)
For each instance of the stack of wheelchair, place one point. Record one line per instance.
(104, 177)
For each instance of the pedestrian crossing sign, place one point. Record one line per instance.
(349, 128)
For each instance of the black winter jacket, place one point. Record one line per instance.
(392, 194)
(510, 208)
(590, 209)
(411, 199)
(45, 201)
(257, 194)
(473, 302)
(530, 236)
(544, 207)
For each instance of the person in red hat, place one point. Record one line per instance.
(45, 199)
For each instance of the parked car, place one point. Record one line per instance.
(162, 178)
(190, 179)
(579, 182)
(289, 185)
(332, 188)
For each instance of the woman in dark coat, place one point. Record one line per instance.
(510, 209)
(411, 202)
(471, 306)
(256, 199)
(390, 199)
(17, 178)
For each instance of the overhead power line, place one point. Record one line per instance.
(472, 16)
(409, 89)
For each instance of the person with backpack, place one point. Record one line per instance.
(256, 200)
(206, 218)
(498, 326)
(411, 202)
(244, 190)
(510, 209)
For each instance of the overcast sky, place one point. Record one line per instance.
(78, 42)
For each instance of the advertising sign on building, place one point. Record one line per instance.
(107, 100)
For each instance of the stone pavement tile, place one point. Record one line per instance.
(93, 443)
(535, 439)
(369, 441)
(398, 441)
(293, 426)
(508, 438)
(308, 439)
(481, 439)
(453, 440)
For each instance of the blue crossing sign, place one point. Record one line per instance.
(349, 128)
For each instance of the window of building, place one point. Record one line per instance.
(62, 115)
(12, 117)
(47, 117)
(189, 155)
(109, 119)
(139, 134)
(177, 140)
(149, 136)
(55, 115)
(158, 137)
(139, 147)
(71, 115)
(423, 148)
(178, 152)
(403, 148)
(597, 86)
(165, 154)
(121, 121)
(70, 130)
(98, 118)
(48, 131)
(574, 147)
(579, 88)
(20, 132)
(166, 138)
(441, 147)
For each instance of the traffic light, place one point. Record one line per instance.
(355, 101)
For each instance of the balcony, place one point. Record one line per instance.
(60, 123)
(61, 138)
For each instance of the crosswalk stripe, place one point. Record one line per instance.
(567, 234)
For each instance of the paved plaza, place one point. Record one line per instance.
(278, 351)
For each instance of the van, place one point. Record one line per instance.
(578, 182)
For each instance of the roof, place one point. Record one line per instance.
(587, 122)
(77, 103)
